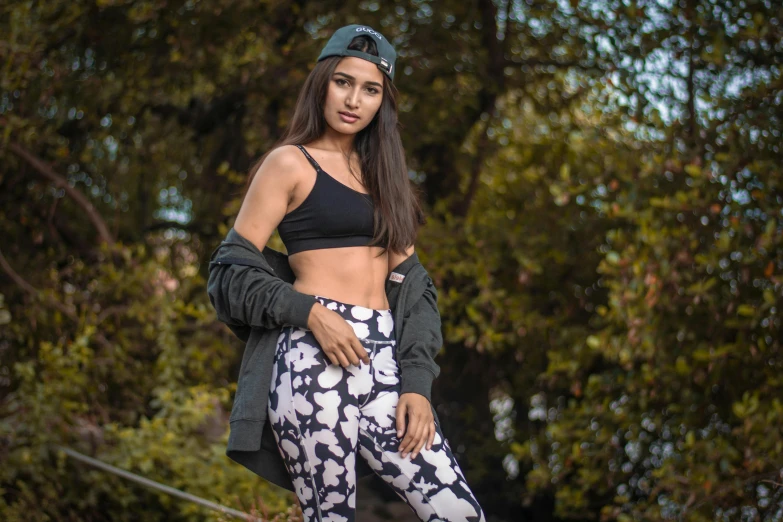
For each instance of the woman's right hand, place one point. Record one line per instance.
(336, 337)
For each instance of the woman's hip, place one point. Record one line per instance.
(370, 325)
(299, 353)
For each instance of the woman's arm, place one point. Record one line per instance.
(268, 196)
(250, 296)
(420, 342)
(421, 337)
(246, 292)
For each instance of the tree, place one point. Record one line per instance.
(603, 185)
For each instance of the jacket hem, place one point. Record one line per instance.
(245, 435)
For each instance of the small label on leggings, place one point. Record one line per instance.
(394, 276)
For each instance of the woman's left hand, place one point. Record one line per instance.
(420, 423)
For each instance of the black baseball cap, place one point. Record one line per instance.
(338, 46)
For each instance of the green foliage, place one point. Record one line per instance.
(152, 400)
(605, 228)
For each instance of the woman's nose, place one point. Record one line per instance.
(353, 98)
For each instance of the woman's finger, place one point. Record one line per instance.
(400, 415)
(341, 357)
(431, 440)
(360, 350)
(349, 352)
(415, 427)
(425, 435)
(418, 438)
(331, 357)
(410, 433)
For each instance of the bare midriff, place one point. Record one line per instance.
(352, 275)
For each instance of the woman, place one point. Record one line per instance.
(336, 188)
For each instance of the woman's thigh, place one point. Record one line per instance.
(432, 483)
(314, 413)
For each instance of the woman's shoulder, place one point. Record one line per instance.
(285, 157)
(284, 163)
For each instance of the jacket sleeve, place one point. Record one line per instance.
(247, 296)
(420, 341)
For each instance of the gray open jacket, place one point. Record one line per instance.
(252, 293)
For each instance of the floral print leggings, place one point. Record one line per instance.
(322, 414)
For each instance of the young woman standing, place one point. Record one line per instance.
(336, 187)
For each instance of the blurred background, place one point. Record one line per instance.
(604, 189)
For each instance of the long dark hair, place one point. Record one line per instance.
(398, 211)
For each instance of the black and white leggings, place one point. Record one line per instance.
(322, 413)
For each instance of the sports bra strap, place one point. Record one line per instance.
(314, 163)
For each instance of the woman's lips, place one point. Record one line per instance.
(346, 118)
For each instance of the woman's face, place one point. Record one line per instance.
(356, 87)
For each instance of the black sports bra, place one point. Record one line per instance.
(332, 215)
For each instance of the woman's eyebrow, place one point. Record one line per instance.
(352, 78)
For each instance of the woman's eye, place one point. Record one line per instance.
(373, 90)
(341, 80)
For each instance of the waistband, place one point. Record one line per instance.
(370, 324)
